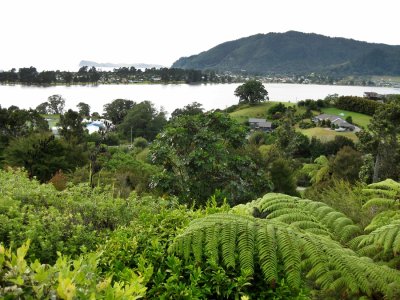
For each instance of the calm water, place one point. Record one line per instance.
(170, 96)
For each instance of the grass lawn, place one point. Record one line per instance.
(358, 119)
(326, 134)
(260, 111)
(52, 119)
(257, 111)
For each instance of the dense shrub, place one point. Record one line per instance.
(357, 104)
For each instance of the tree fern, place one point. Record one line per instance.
(379, 202)
(316, 217)
(388, 184)
(270, 244)
(384, 194)
(382, 239)
(385, 238)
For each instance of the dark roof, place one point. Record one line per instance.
(325, 117)
(335, 120)
(264, 124)
(260, 123)
(254, 120)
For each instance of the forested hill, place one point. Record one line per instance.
(298, 53)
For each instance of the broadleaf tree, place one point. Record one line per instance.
(251, 92)
(204, 154)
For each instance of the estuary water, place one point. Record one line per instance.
(170, 96)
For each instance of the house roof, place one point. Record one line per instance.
(254, 120)
(264, 124)
(325, 117)
(335, 120)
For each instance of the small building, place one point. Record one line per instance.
(96, 126)
(260, 124)
(373, 96)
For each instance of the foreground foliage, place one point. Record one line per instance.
(84, 243)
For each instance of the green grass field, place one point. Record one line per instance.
(52, 119)
(258, 111)
(326, 134)
(358, 119)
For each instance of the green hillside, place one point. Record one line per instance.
(297, 53)
(243, 113)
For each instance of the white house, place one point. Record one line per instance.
(96, 126)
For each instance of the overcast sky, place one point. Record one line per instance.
(57, 34)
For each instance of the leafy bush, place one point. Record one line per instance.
(357, 104)
(306, 125)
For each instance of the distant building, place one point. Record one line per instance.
(260, 124)
(336, 120)
(373, 96)
(97, 125)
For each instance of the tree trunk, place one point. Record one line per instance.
(375, 177)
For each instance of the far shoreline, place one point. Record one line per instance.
(83, 84)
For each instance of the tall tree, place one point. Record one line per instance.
(40, 154)
(84, 109)
(56, 104)
(251, 92)
(71, 126)
(117, 110)
(204, 154)
(347, 164)
(28, 75)
(42, 108)
(143, 120)
(189, 110)
(385, 129)
(282, 177)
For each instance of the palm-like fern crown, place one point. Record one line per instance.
(296, 238)
(382, 241)
(312, 216)
(384, 194)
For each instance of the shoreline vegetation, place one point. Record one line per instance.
(92, 76)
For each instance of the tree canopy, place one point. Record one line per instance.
(56, 104)
(251, 92)
(143, 120)
(117, 110)
(189, 110)
(204, 154)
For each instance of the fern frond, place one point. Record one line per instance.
(379, 202)
(377, 193)
(385, 238)
(266, 244)
(197, 245)
(229, 234)
(211, 239)
(291, 210)
(246, 247)
(388, 184)
(289, 249)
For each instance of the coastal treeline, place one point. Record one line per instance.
(118, 75)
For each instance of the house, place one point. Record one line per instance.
(335, 120)
(96, 126)
(373, 96)
(260, 124)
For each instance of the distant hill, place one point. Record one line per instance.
(113, 65)
(297, 53)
